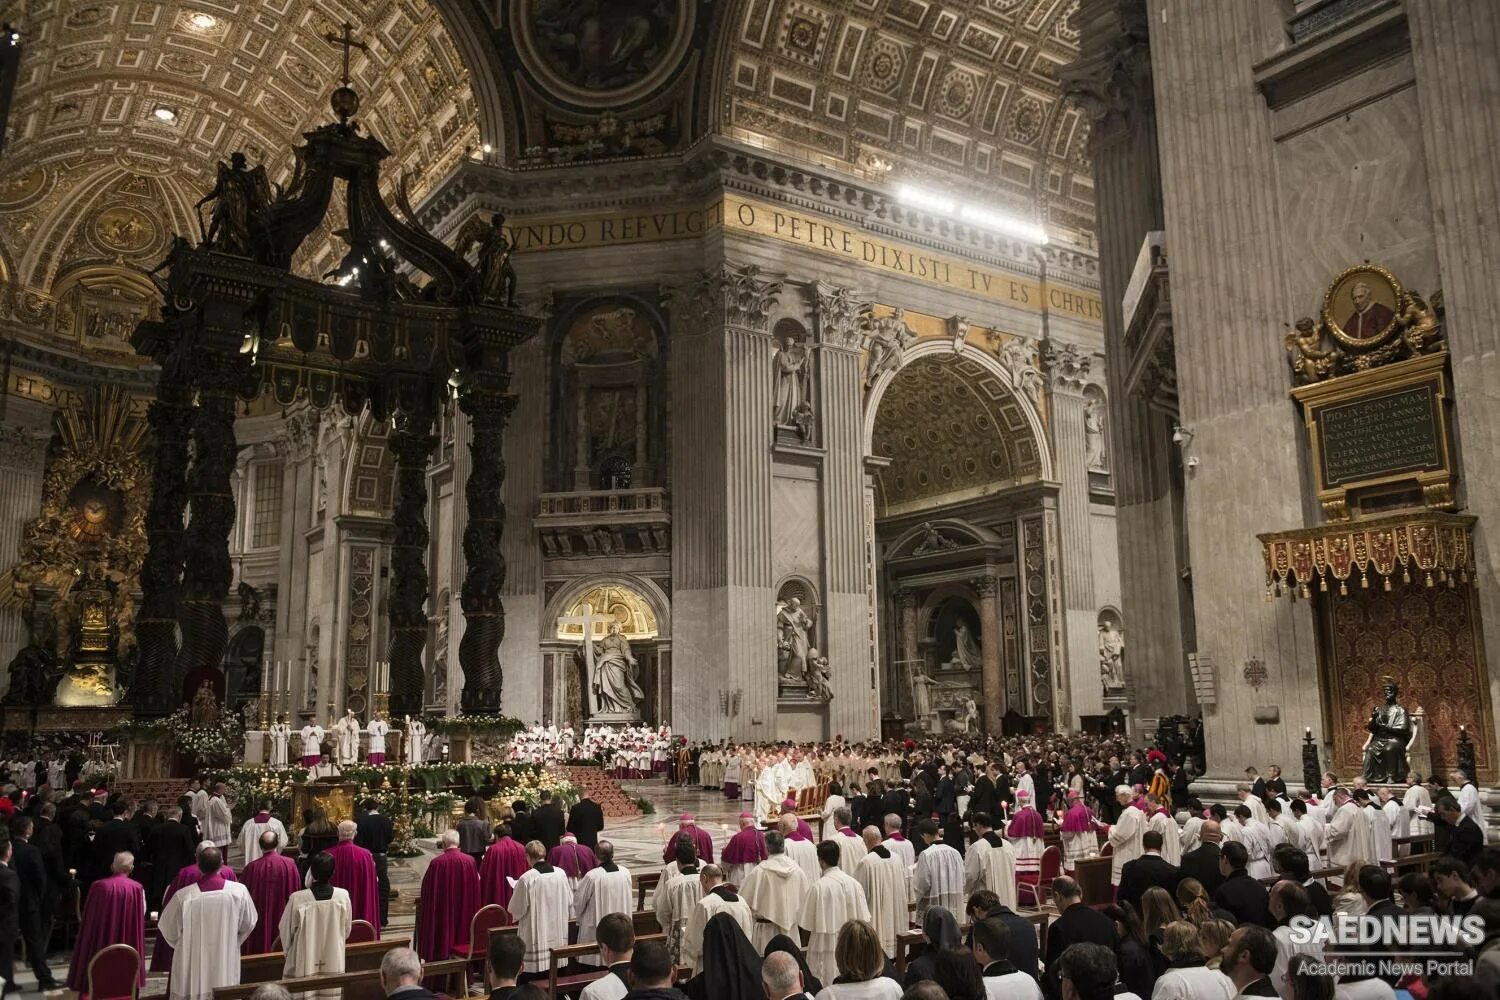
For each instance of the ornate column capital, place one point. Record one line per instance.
(1067, 365)
(906, 598)
(733, 295)
(21, 448)
(1111, 79)
(843, 317)
(985, 584)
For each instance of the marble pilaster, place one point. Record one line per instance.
(988, 589)
(23, 453)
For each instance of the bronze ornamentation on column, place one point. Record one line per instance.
(413, 443)
(489, 407)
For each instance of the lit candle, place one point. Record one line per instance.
(1307, 730)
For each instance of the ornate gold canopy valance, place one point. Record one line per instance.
(1434, 547)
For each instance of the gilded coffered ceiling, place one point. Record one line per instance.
(123, 108)
(979, 441)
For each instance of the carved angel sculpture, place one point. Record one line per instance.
(1310, 363)
(494, 276)
(240, 196)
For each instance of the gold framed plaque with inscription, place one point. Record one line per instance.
(1379, 439)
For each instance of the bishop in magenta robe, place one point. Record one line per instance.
(703, 841)
(450, 898)
(354, 872)
(113, 913)
(161, 955)
(271, 879)
(804, 831)
(745, 850)
(506, 858)
(573, 858)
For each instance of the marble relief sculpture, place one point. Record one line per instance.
(889, 339)
(966, 650)
(1093, 434)
(819, 682)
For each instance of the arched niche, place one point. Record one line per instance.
(608, 409)
(643, 612)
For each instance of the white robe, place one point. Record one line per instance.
(1349, 838)
(902, 849)
(851, 851)
(834, 900)
(776, 891)
(416, 742)
(1315, 839)
(206, 929)
(830, 825)
(1417, 799)
(1256, 806)
(770, 789)
(1380, 833)
(1125, 835)
(250, 837)
(313, 933)
(676, 895)
(378, 731)
(805, 853)
(938, 880)
(884, 882)
(1257, 840)
(600, 893)
(346, 731)
(1171, 843)
(1191, 835)
(708, 907)
(281, 737)
(1469, 805)
(216, 820)
(312, 740)
(540, 907)
(991, 867)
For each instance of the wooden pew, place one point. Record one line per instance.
(267, 967)
(644, 921)
(1092, 876)
(1413, 863)
(643, 882)
(908, 941)
(559, 985)
(362, 985)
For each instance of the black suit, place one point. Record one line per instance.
(1022, 950)
(1202, 863)
(170, 848)
(36, 905)
(10, 922)
(548, 825)
(1318, 896)
(1246, 898)
(585, 820)
(1078, 924)
(1144, 872)
(983, 797)
(1276, 787)
(522, 830)
(374, 833)
(1466, 841)
(113, 837)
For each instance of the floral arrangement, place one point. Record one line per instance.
(500, 726)
(206, 745)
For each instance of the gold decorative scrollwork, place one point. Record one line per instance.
(1367, 320)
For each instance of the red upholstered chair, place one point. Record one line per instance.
(477, 950)
(114, 974)
(361, 932)
(1039, 893)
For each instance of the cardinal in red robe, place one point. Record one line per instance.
(450, 898)
(354, 872)
(573, 858)
(113, 913)
(161, 955)
(687, 826)
(506, 858)
(271, 879)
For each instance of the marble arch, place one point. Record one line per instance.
(648, 590)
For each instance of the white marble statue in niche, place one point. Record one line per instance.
(1095, 444)
(793, 400)
(1111, 652)
(793, 628)
(966, 649)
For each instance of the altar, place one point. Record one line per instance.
(336, 798)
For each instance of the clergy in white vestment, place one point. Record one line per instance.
(1314, 834)
(257, 825)
(938, 878)
(1468, 801)
(834, 900)
(776, 890)
(990, 862)
(677, 893)
(771, 785)
(1162, 822)
(1125, 835)
(897, 842)
(1380, 826)
(1248, 799)
(851, 845)
(1256, 836)
(804, 852)
(1348, 833)
(1025, 782)
(603, 890)
(540, 906)
(1190, 826)
(831, 806)
(315, 925)
(1418, 803)
(716, 898)
(205, 923)
(885, 881)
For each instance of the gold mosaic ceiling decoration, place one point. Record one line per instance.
(951, 430)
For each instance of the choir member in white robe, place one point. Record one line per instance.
(771, 785)
(1248, 798)
(1348, 833)
(990, 862)
(717, 898)
(884, 880)
(804, 852)
(1468, 801)
(1171, 845)
(938, 878)
(1313, 837)
(1190, 834)
(540, 906)
(834, 900)
(1256, 836)
(851, 845)
(676, 894)
(831, 806)
(315, 925)
(1025, 783)
(1380, 827)
(1418, 803)
(603, 890)
(254, 827)
(1125, 835)
(205, 923)
(776, 890)
(897, 842)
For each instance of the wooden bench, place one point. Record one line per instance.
(267, 967)
(908, 941)
(560, 985)
(1092, 876)
(644, 921)
(1413, 863)
(362, 985)
(643, 882)
(1419, 843)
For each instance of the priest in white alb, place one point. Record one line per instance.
(315, 924)
(1125, 835)
(938, 878)
(776, 890)
(834, 900)
(1348, 832)
(541, 906)
(896, 842)
(851, 845)
(885, 881)
(716, 898)
(677, 893)
(990, 862)
(605, 889)
(205, 923)
(804, 852)
(257, 825)
(771, 786)
(1158, 819)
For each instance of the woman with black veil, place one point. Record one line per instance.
(940, 929)
(730, 969)
(810, 983)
